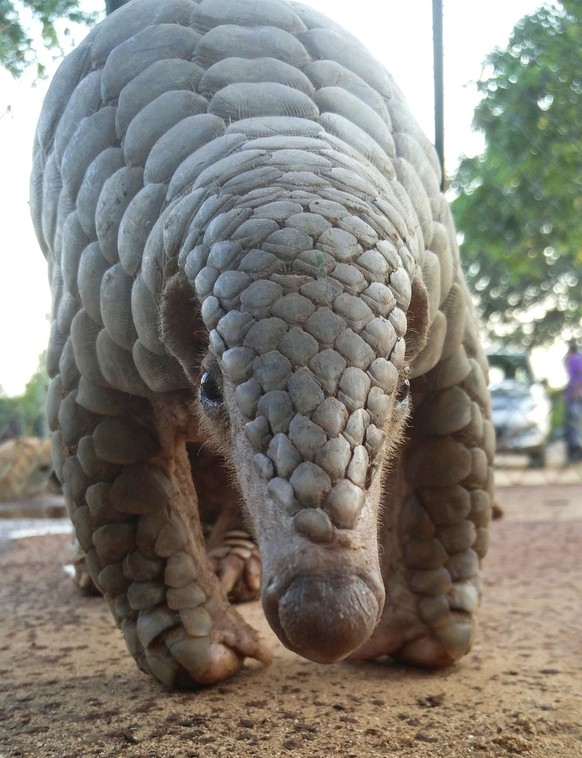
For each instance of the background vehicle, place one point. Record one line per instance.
(520, 406)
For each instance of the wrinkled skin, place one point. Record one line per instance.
(260, 333)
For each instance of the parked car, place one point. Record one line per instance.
(520, 406)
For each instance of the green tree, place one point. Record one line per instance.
(519, 203)
(25, 414)
(25, 25)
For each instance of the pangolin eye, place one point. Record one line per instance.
(210, 393)
(403, 391)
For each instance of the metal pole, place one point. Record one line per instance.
(113, 5)
(439, 121)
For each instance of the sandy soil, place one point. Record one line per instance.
(68, 689)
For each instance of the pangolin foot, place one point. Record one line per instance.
(235, 561)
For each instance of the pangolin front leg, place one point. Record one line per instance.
(129, 486)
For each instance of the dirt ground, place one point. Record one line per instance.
(68, 689)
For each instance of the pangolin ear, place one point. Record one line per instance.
(182, 330)
(417, 320)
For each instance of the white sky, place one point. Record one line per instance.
(400, 36)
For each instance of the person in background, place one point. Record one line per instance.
(573, 402)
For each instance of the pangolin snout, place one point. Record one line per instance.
(323, 619)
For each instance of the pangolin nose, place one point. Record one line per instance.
(323, 619)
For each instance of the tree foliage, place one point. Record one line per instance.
(26, 24)
(519, 203)
(25, 414)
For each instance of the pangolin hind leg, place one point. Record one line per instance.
(437, 505)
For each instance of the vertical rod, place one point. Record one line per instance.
(113, 5)
(439, 120)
